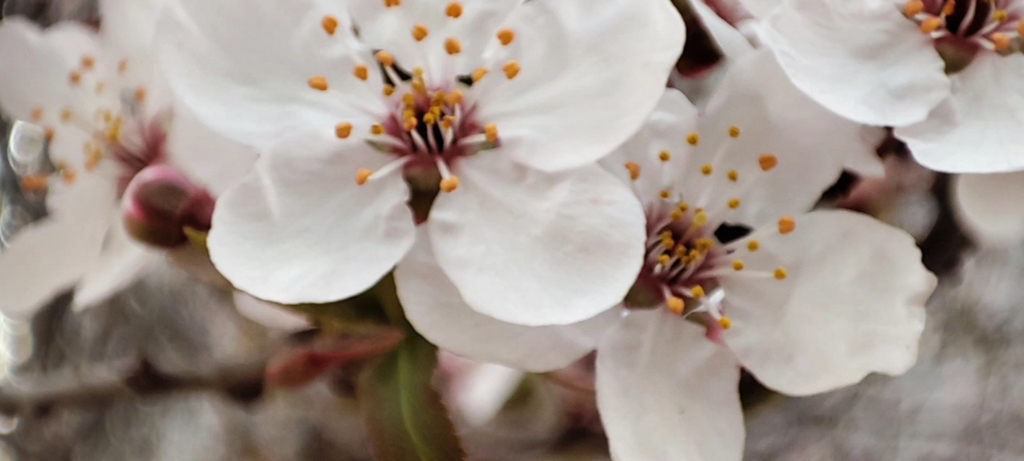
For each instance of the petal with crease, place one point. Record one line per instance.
(435, 308)
(535, 248)
(851, 303)
(299, 229)
(667, 393)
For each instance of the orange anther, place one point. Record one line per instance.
(362, 176)
(913, 8)
(931, 25)
(419, 32)
(449, 184)
(361, 72)
(452, 46)
(385, 58)
(330, 24)
(786, 225)
(343, 130)
(506, 36)
(318, 83)
(511, 69)
(454, 10)
(634, 170)
(767, 162)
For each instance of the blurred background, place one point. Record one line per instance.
(167, 369)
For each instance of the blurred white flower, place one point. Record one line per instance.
(989, 207)
(106, 117)
(807, 302)
(365, 104)
(946, 73)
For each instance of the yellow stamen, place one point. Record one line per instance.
(675, 305)
(429, 119)
(734, 132)
(377, 129)
(389, 89)
(949, 8)
(385, 58)
(419, 32)
(665, 194)
(88, 62)
(68, 176)
(706, 170)
(664, 156)
(734, 203)
(65, 115)
(786, 225)
(733, 175)
(737, 265)
(931, 25)
(634, 170)
(75, 78)
(999, 15)
(452, 46)
(693, 139)
(391, 3)
(511, 69)
(1001, 41)
(698, 292)
(705, 244)
(725, 323)
(122, 66)
(677, 215)
(506, 36)
(330, 24)
(767, 162)
(780, 274)
(410, 123)
(450, 184)
(455, 97)
(318, 83)
(664, 260)
(454, 10)
(343, 130)
(37, 115)
(362, 176)
(140, 94)
(491, 132)
(361, 72)
(753, 245)
(913, 8)
(479, 74)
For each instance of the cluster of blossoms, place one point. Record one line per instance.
(521, 170)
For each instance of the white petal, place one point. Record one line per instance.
(535, 248)
(390, 29)
(484, 390)
(573, 103)
(667, 393)
(810, 143)
(852, 304)
(435, 309)
(269, 314)
(247, 77)
(666, 130)
(299, 229)
(38, 65)
(50, 256)
(130, 25)
(761, 8)
(121, 262)
(862, 59)
(989, 206)
(730, 41)
(978, 129)
(210, 159)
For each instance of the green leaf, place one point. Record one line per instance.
(404, 415)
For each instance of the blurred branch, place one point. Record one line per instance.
(120, 380)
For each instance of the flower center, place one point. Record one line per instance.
(431, 124)
(691, 245)
(965, 26)
(116, 130)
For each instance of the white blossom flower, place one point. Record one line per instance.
(366, 105)
(737, 274)
(106, 116)
(946, 73)
(989, 207)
